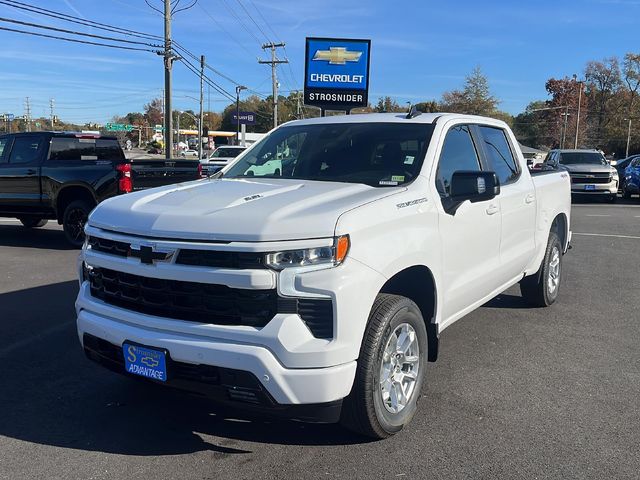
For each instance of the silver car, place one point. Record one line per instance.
(591, 174)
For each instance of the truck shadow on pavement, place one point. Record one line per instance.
(52, 395)
(16, 235)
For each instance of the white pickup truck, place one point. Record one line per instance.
(314, 275)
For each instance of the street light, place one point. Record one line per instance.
(239, 88)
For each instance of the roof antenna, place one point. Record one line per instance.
(413, 112)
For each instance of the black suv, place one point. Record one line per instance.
(62, 176)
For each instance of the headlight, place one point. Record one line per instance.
(333, 255)
(614, 174)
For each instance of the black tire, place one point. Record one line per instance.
(536, 288)
(73, 220)
(625, 194)
(32, 222)
(364, 410)
(613, 198)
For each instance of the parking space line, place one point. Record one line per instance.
(9, 220)
(609, 206)
(597, 215)
(606, 235)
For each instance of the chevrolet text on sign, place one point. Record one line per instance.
(337, 73)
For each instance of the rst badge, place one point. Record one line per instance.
(337, 73)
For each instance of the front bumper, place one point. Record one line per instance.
(610, 188)
(286, 386)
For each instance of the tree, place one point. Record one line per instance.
(603, 83)
(475, 97)
(388, 104)
(430, 106)
(154, 111)
(565, 96)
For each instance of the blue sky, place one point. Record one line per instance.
(419, 49)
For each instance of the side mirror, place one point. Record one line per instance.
(472, 185)
(475, 186)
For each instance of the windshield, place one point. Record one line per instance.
(376, 154)
(227, 152)
(588, 158)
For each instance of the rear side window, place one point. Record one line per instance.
(499, 154)
(4, 148)
(458, 153)
(26, 149)
(69, 148)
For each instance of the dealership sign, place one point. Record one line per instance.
(246, 118)
(336, 73)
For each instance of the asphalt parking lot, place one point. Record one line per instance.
(516, 393)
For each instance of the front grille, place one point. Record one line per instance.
(200, 258)
(584, 177)
(220, 259)
(111, 247)
(191, 301)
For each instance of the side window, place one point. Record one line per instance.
(26, 149)
(70, 148)
(499, 154)
(458, 153)
(108, 149)
(5, 143)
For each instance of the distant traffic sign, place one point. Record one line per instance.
(158, 128)
(118, 127)
(10, 117)
(246, 118)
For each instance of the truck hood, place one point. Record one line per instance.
(249, 210)
(588, 168)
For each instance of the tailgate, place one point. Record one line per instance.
(156, 173)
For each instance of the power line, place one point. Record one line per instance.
(73, 32)
(86, 42)
(78, 20)
(240, 22)
(253, 20)
(215, 20)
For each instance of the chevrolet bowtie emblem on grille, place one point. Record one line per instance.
(337, 55)
(148, 255)
(590, 176)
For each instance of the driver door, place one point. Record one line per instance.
(470, 237)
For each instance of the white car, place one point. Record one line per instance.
(221, 157)
(314, 276)
(189, 153)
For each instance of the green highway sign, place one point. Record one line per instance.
(118, 127)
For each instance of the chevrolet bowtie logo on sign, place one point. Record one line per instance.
(336, 73)
(337, 55)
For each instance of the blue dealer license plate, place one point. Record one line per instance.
(589, 187)
(145, 361)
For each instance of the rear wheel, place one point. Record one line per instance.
(73, 221)
(390, 369)
(32, 222)
(542, 288)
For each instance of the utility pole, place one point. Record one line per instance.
(51, 102)
(628, 137)
(200, 129)
(564, 129)
(575, 145)
(239, 88)
(27, 113)
(168, 62)
(274, 80)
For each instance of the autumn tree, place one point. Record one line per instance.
(388, 104)
(154, 111)
(475, 97)
(603, 83)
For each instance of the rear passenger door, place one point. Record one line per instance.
(517, 200)
(20, 173)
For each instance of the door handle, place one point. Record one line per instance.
(491, 209)
(31, 171)
(529, 198)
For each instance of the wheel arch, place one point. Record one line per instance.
(560, 225)
(70, 193)
(417, 283)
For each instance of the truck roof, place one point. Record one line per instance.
(61, 134)
(397, 117)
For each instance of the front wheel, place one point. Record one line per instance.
(30, 222)
(613, 198)
(390, 370)
(541, 289)
(73, 221)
